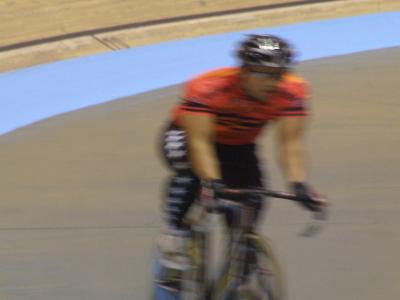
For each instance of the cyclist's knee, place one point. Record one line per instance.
(172, 257)
(173, 246)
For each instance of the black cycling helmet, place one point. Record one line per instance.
(265, 50)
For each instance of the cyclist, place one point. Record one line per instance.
(210, 139)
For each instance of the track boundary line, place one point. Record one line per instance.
(133, 25)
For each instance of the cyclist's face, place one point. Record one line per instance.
(259, 81)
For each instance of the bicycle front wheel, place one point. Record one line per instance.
(265, 279)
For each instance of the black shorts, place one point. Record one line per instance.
(239, 164)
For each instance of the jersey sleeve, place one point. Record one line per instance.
(196, 100)
(295, 101)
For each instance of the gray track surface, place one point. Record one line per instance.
(80, 193)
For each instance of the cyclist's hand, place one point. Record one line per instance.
(211, 190)
(307, 197)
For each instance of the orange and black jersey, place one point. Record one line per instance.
(240, 119)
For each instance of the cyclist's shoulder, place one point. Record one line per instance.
(294, 86)
(217, 74)
(212, 81)
(294, 78)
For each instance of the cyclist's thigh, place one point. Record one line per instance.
(179, 194)
(182, 187)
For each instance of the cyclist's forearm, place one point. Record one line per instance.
(203, 159)
(293, 161)
(291, 149)
(202, 154)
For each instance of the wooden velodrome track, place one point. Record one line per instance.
(94, 26)
(80, 193)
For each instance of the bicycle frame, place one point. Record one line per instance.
(245, 247)
(244, 240)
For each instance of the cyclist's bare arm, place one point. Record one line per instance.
(291, 150)
(202, 155)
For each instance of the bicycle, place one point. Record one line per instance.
(251, 270)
